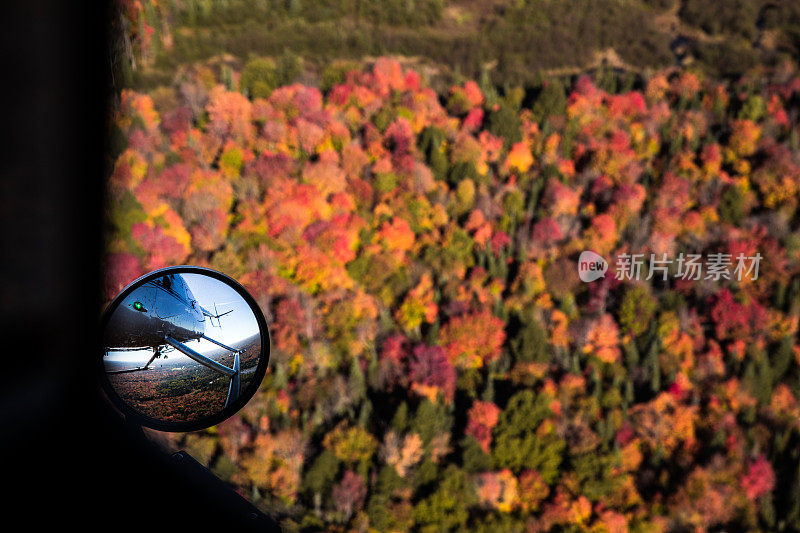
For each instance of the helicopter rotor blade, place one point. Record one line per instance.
(214, 315)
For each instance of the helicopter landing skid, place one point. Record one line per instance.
(156, 353)
(233, 373)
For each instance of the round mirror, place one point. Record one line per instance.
(183, 348)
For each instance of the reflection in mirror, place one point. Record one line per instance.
(181, 347)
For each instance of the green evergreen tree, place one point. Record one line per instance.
(399, 421)
(516, 444)
(637, 310)
(506, 124)
(259, 77)
(319, 478)
(530, 344)
(356, 382)
(448, 507)
(552, 100)
(431, 419)
(432, 144)
(473, 457)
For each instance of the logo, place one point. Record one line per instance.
(591, 266)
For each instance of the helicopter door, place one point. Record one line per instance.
(167, 304)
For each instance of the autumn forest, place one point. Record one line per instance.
(437, 363)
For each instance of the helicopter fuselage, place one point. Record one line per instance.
(159, 308)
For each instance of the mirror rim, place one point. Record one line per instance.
(192, 425)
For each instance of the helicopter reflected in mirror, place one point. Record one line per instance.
(181, 347)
